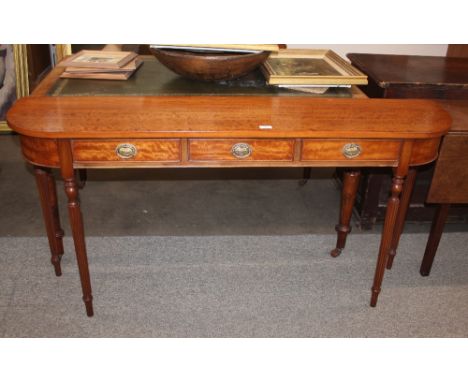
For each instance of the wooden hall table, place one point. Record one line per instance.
(155, 120)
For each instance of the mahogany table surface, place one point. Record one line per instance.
(156, 104)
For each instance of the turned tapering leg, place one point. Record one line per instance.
(348, 197)
(76, 222)
(390, 219)
(48, 196)
(437, 230)
(402, 212)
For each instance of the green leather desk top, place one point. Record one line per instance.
(154, 79)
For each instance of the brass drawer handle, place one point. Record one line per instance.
(126, 151)
(241, 150)
(352, 150)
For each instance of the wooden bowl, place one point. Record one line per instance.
(209, 66)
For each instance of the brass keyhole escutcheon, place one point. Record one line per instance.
(352, 150)
(126, 151)
(241, 150)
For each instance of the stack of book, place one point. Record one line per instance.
(102, 65)
(311, 71)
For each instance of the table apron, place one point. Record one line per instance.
(195, 153)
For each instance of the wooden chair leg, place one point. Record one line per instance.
(402, 212)
(48, 196)
(348, 197)
(434, 238)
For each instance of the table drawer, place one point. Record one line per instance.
(140, 150)
(269, 150)
(352, 150)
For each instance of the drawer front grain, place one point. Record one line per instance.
(167, 150)
(351, 150)
(227, 150)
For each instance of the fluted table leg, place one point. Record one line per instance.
(387, 235)
(48, 196)
(400, 173)
(76, 222)
(348, 197)
(402, 212)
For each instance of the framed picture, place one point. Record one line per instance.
(310, 67)
(63, 50)
(99, 59)
(13, 78)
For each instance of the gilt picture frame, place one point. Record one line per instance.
(14, 82)
(310, 67)
(62, 51)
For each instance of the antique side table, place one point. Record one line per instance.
(406, 76)
(157, 119)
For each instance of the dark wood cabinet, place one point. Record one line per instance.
(403, 76)
(449, 185)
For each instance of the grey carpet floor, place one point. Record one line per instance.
(233, 286)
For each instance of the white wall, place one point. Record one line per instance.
(414, 49)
